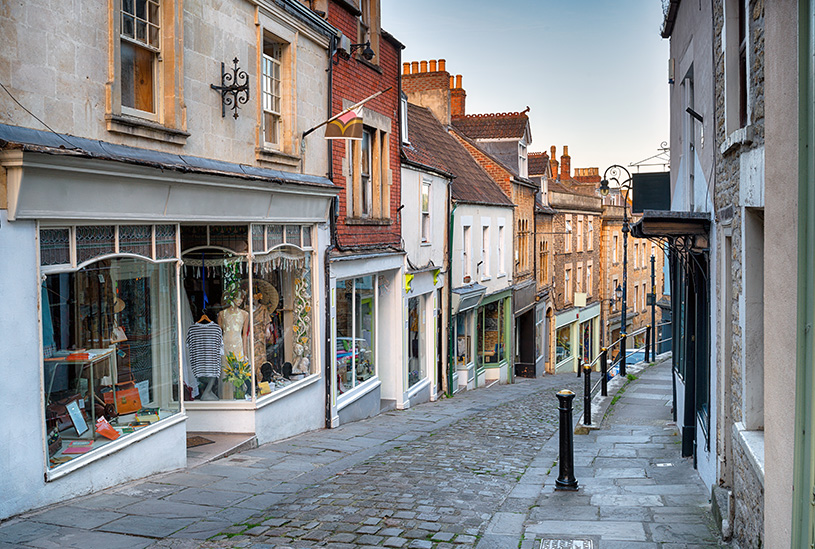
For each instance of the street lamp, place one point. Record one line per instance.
(616, 173)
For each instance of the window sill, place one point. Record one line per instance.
(367, 221)
(357, 392)
(752, 443)
(485, 278)
(742, 136)
(113, 447)
(501, 275)
(272, 156)
(425, 243)
(138, 127)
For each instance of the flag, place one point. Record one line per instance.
(345, 126)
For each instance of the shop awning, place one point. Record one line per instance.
(671, 224)
(57, 176)
(467, 297)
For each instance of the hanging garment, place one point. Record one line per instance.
(206, 346)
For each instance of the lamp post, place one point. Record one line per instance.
(616, 173)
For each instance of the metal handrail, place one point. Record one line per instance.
(588, 388)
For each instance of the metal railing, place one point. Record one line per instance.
(605, 373)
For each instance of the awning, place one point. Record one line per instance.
(671, 224)
(467, 298)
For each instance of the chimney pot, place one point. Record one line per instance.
(423, 66)
(414, 67)
(405, 68)
(442, 65)
(452, 81)
(553, 149)
(565, 150)
(458, 81)
(432, 65)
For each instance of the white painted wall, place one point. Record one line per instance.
(475, 215)
(422, 253)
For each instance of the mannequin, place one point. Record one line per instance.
(234, 322)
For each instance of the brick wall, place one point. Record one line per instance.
(354, 80)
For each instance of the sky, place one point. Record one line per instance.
(593, 72)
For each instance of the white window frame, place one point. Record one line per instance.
(567, 245)
(155, 49)
(268, 96)
(485, 251)
(466, 254)
(502, 260)
(424, 207)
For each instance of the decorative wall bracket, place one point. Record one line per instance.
(234, 88)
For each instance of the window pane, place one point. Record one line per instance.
(128, 26)
(136, 239)
(416, 341)
(137, 77)
(365, 327)
(282, 319)
(55, 247)
(463, 340)
(345, 341)
(166, 241)
(563, 342)
(110, 349)
(93, 241)
(293, 235)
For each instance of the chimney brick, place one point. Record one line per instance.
(458, 98)
(565, 164)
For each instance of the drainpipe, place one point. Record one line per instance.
(450, 351)
(328, 360)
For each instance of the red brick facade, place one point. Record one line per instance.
(354, 79)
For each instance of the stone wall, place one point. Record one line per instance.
(736, 471)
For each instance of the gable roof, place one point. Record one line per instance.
(431, 146)
(537, 163)
(504, 125)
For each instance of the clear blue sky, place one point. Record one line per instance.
(593, 72)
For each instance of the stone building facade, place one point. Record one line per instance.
(577, 265)
(739, 199)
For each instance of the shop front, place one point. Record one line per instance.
(366, 334)
(526, 346)
(152, 300)
(493, 333)
(577, 335)
(421, 303)
(465, 302)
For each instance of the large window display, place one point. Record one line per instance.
(563, 350)
(110, 333)
(416, 341)
(463, 339)
(248, 316)
(356, 330)
(491, 333)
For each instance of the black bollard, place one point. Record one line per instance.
(566, 480)
(587, 394)
(604, 372)
(647, 343)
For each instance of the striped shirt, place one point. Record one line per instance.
(206, 345)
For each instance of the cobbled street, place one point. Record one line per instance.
(435, 491)
(476, 470)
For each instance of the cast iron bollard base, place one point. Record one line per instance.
(566, 480)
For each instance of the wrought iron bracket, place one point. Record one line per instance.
(234, 88)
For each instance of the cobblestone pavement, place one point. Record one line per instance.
(438, 490)
(430, 476)
(476, 470)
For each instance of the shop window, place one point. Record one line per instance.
(356, 331)
(416, 341)
(563, 344)
(539, 343)
(463, 340)
(491, 339)
(110, 350)
(248, 319)
(587, 342)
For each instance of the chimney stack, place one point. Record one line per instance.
(428, 84)
(565, 164)
(458, 98)
(553, 162)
